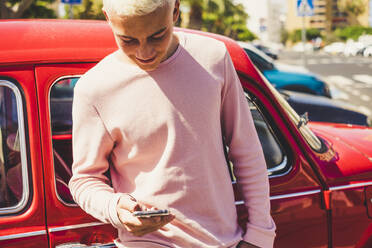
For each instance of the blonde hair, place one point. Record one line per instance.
(133, 7)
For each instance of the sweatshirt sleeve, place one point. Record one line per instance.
(92, 146)
(245, 152)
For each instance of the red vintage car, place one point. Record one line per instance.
(320, 174)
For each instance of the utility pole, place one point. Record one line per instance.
(303, 38)
(304, 8)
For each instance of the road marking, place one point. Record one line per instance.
(355, 92)
(312, 61)
(325, 61)
(364, 78)
(338, 94)
(370, 66)
(365, 110)
(337, 61)
(365, 98)
(340, 80)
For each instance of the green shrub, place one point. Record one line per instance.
(311, 33)
(352, 32)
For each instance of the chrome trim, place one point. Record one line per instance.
(350, 186)
(279, 167)
(64, 228)
(74, 205)
(22, 140)
(283, 164)
(23, 235)
(79, 245)
(304, 193)
(285, 196)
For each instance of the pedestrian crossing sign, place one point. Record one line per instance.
(305, 8)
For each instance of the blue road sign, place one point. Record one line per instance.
(305, 8)
(71, 1)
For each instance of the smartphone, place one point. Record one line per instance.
(151, 213)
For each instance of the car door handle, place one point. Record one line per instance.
(79, 245)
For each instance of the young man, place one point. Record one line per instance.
(154, 112)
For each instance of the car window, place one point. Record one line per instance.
(275, 157)
(258, 61)
(60, 102)
(14, 188)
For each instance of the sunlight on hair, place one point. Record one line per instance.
(133, 7)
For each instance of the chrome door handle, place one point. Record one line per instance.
(79, 245)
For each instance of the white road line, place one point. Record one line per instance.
(339, 80)
(337, 61)
(365, 110)
(338, 94)
(355, 92)
(325, 61)
(364, 78)
(365, 98)
(370, 66)
(312, 61)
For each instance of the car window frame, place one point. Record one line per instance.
(284, 167)
(51, 131)
(26, 189)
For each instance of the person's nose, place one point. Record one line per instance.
(145, 51)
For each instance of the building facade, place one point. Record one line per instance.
(327, 16)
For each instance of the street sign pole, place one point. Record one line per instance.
(304, 8)
(303, 37)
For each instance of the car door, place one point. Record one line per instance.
(66, 222)
(297, 204)
(22, 211)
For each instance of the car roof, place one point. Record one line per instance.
(45, 41)
(252, 48)
(39, 41)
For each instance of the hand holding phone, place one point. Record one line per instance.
(136, 225)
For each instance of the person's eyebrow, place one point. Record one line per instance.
(157, 32)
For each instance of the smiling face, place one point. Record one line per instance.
(146, 40)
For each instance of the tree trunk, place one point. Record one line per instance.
(14, 12)
(196, 20)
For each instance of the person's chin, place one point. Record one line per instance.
(148, 65)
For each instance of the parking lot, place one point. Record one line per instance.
(350, 78)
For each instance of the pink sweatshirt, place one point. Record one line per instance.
(159, 133)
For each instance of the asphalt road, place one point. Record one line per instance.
(350, 78)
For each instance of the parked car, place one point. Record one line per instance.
(353, 48)
(335, 48)
(368, 51)
(320, 174)
(267, 51)
(323, 109)
(283, 79)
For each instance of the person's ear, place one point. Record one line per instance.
(176, 11)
